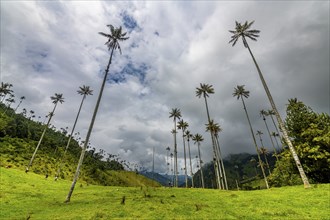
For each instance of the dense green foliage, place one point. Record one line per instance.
(310, 133)
(32, 196)
(19, 136)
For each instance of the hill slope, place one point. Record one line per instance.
(32, 196)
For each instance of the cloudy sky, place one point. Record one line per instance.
(52, 47)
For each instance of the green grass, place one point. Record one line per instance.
(31, 195)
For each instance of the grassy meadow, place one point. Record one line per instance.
(32, 196)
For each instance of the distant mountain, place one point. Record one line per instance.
(164, 179)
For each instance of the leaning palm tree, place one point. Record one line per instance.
(263, 150)
(58, 98)
(198, 138)
(264, 113)
(241, 93)
(84, 91)
(182, 125)
(176, 115)
(204, 90)
(114, 38)
(20, 102)
(188, 136)
(244, 31)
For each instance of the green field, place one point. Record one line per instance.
(32, 196)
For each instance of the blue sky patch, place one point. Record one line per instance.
(128, 21)
(132, 70)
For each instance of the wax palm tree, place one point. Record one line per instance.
(5, 90)
(58, 98)
(263, 150)
(84, 91)
(114, 38)
(241, 93)
(20, 102)
(167, 161)
(188, 137)
(182, 125)
(198, 138)
(204, 90)
(264, 113)
(214, 128)
(176, 115)
(276, 135)
(244, 31)
(217, 129)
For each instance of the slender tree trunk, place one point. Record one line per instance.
(18, 105)
(280, 122)
(40, 140)
(185, 158)
(200, 165)
(70, 137)
(191, 170)
(216, 160)
(89, 130)
(175, 155)
(255, 144)
(271, 139)
(222, 165)
(271, 116)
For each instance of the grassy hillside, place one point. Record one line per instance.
(31, 195)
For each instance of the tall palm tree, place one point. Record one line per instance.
(114, 38)
(58, 98)
(204, 90)
(84, 91)
(241, 93)
(167, 161)
(188, 136)
(182, 125)
(5, 90)
(20, 102)
(244, 31)
(217, 129)
(214, 128)
(198, 138)
(176, 115)
(264, 113)
(263, 150)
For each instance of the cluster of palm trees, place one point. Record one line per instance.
(245, 32)
(214, 129)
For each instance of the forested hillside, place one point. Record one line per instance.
(19, 136)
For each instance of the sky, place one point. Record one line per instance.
(50, 47)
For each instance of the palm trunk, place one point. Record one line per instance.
(200, 165)
(222, 165)
(255, 144)
(185, 159)
(70, 137)
(271, 116)
(191, 170)
(218, 162)
(175, 156)
(215, 162)
(40, 140)
(89, 130)
(18, 105)
(271, 139)
(280, 122)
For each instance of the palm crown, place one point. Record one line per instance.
(213, 127)
(57, 98)
(175, 113)
(85, 90)
(243, 31)
(114, 37)
(205, 90)
(182, 125)
(197, 138)
(239, 91)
